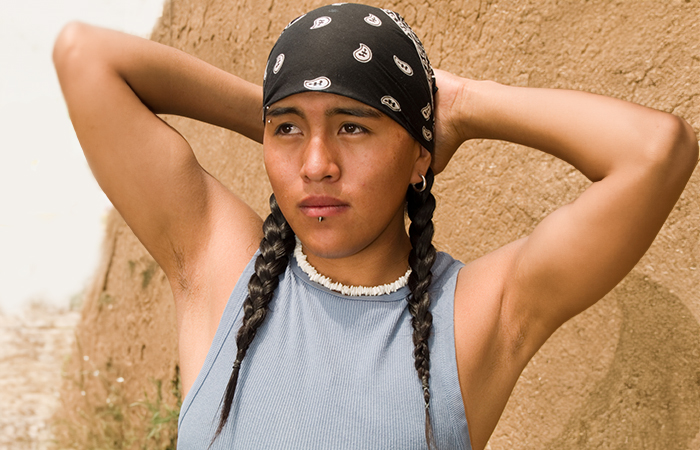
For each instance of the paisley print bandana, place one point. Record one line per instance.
(358, 51)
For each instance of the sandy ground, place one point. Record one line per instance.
(33, 347)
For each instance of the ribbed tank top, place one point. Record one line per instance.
(328, 371)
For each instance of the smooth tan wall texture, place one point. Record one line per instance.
(624, 374)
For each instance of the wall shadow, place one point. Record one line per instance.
(650, 398)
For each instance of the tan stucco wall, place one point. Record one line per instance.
(626, 373)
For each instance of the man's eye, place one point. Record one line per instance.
(287, 128)
(351, 128)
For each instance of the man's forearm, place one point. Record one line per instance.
(166, 80)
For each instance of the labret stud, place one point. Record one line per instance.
(320, 219)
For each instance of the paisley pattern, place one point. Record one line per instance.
(404, 67)
(373, 20)
(321, 22)
(278, 63)
(317, 84)
(391, 102)
(363, 54)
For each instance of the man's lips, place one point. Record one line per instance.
(325, 206)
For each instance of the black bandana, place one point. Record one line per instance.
(361, 52)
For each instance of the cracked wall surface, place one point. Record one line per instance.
(625, 373)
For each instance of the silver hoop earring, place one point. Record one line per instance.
(424, 184)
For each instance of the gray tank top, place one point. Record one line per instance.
(328, 371)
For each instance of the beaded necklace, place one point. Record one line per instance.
(326, 282)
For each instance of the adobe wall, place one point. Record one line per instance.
(624, 374)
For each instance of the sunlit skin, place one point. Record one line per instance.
(332, 156)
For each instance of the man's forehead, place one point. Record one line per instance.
(330, 104)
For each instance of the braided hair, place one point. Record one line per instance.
(275, 249)
(421, 205)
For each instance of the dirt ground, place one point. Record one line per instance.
(33, 347)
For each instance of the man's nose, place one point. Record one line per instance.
(320, 162)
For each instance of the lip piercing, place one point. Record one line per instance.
(320, 219)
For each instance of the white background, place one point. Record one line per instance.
(51, 209)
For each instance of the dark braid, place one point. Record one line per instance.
(275, 248)
(420, 210)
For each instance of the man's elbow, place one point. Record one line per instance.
(674, 149)
(68, 46)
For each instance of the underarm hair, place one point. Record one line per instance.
(276, 248)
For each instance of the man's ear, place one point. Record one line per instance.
(421, 166)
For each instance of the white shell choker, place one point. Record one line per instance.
(341, 288)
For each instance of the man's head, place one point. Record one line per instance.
(361, 52)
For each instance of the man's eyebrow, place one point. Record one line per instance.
(281, 111)
(357, 112)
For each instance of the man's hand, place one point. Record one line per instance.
(450, 129)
